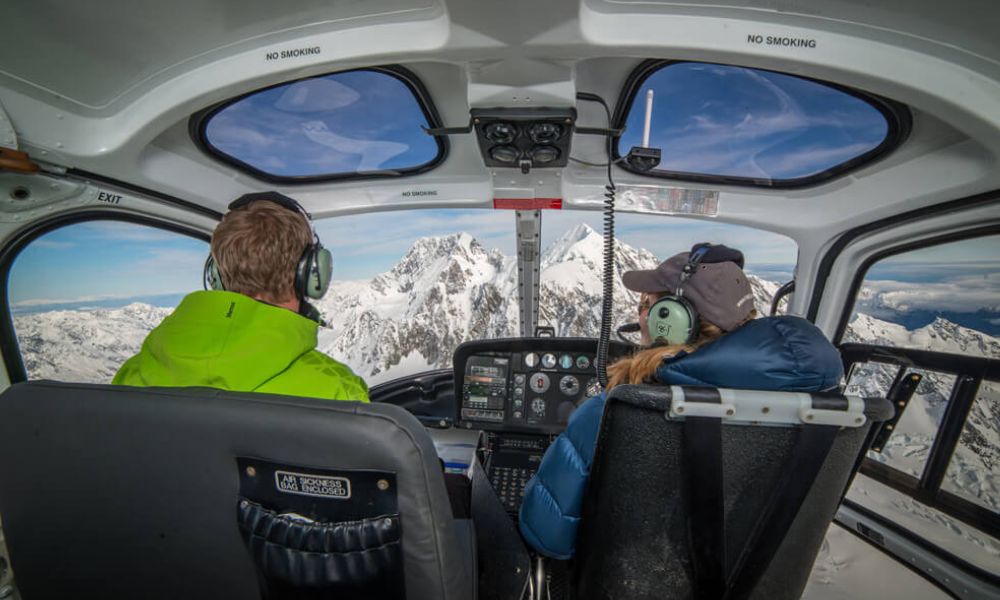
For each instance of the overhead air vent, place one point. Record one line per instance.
(524, 137)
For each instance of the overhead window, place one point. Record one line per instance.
(742, 125)
(366, 122)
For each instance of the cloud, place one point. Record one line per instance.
(374, 153)
(736, 121)
(356, 121)
(315, 95)
(960, 294)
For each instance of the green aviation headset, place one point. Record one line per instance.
(315, 266)
(673, 320)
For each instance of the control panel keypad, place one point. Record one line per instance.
(509, 484)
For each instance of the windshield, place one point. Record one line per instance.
(410, 286)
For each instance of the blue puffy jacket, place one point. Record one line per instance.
(775, 353)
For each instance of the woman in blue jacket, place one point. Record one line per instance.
(696, 311)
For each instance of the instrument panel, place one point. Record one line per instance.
(528, 384)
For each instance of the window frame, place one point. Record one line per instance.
(13, 361)
(198, 125)
(898, 119)
(848, 237)
(969, 373)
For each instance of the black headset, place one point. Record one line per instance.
(315, 267)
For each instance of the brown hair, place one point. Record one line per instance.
(257, 248)
(641, 366)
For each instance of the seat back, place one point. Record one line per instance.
(714, 493)
(121, 492)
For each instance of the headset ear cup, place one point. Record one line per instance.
(672, 321)
(302, 269)
(212, 278)
(320, 273)
(695, 319)
(313, 273)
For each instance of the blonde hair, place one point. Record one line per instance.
(257, 249)
(641, 366)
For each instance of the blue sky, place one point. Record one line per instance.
(663, 236)
(341, 123)
(106, 259)
(723, 120)
(710, 119)
(102, 260)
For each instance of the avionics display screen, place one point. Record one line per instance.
(484, 390)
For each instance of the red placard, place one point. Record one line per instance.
(527, 203)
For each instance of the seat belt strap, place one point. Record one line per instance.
(776, 519)
(706, 527)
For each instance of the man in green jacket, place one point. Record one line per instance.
(255, 331)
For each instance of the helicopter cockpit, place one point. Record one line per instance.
(483, 175)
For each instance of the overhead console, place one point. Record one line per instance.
(528, 385)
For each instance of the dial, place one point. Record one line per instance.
(582, 362)
(548, 361)
(539, 383)
(530, 359)
(593, 387)
(569, 385)
(566, 361)
(538, 407)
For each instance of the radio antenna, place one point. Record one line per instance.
(649, 116)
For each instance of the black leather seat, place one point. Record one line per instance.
(733, 503)
(120, 492)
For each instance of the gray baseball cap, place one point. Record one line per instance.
(718, 288)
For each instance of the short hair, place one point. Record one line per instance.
(257, 248)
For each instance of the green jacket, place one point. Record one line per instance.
(233, 342)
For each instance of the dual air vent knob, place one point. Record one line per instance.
(542, 135)
(524, 137)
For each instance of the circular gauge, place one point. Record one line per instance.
(530, 359)
(566, 361)
(539, 383)
(538, 407)
(582, 362)
(569, 385)
(548, 361)
(593, 387)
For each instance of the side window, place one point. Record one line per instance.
(978, 453)
(83, 297)
(925, 330)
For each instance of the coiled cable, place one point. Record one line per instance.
(607, 300)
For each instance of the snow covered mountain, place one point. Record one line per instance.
(447, 290)
(83, 345)
(975, 469)
(444, 291)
